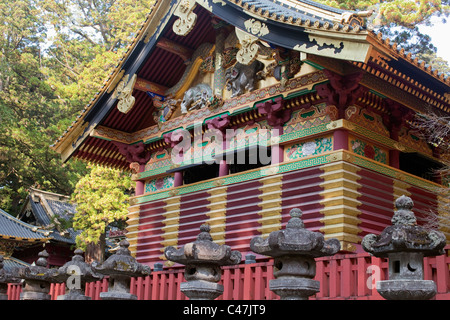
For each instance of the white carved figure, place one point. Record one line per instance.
(196, 97)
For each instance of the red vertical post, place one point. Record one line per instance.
(378, 273)
(227, 284)
(321, 277)
(362, 289)
(277, 150)
(442, 272)
(154, 292)
(171, 291)
(347, 277)
(249, 283)
(237, 284)
(163, 291)
(259, 281)
(178, 179)
(340, 137)
(334, 281)
(269, 293)
(180, 279)
(147, 287)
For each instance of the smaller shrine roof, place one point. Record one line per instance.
(45, 207)
(10, 263)
(15, 229)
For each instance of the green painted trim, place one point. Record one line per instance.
(101, 138)
(292, 166)
(216, 116)
(378, 94)
(313, 64)
(305, 132)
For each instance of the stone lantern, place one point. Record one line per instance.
(37, 279)
(203, 259)
(76, 273)
(294, 250)
(405, 244)
(5, 278)
(120, 267)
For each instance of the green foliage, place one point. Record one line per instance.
(54, 56)
(101, 198)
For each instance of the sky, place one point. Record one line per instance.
(439, 34)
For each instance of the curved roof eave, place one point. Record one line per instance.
(319, 35)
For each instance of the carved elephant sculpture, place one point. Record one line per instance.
(241, 78)
(196, 97)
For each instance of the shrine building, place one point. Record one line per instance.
(233, 112)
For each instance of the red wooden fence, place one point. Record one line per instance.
(349, 276)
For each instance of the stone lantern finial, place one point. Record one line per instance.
(294, 250)
(120, 267)
(76, 273)
(37, 279)
(203, 259)
(405, 244)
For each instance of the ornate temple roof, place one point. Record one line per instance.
(12, 228)
(41, 209)
(321, 33)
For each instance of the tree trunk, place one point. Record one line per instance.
(96, 251)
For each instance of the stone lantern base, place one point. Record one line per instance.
(36, 290)
(115, 295)
(290, 288)
(33, 295)
(201, 290)
(405, 289)
(73, 295)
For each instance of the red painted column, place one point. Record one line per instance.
(223, 166)
(394, 155)
(340, 137)
(277, 149)
(178, 179)
(140, 184)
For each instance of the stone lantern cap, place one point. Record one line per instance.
(295, 240)
(404, 235)
(39, 271)
(5, 276)
(203, 251)
(79, 267)
(122, 264)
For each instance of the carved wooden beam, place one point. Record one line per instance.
(148, 86)
(178, 49)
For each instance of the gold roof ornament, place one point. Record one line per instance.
(124, 92)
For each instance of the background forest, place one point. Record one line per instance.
(55, 55)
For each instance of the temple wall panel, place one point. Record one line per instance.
(342, 194)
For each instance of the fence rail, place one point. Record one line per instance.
(348, 276)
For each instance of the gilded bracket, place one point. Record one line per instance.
(124, 92)
(249, 48)
(187, 18)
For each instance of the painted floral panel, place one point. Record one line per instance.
(368, 150)
(309, 148)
